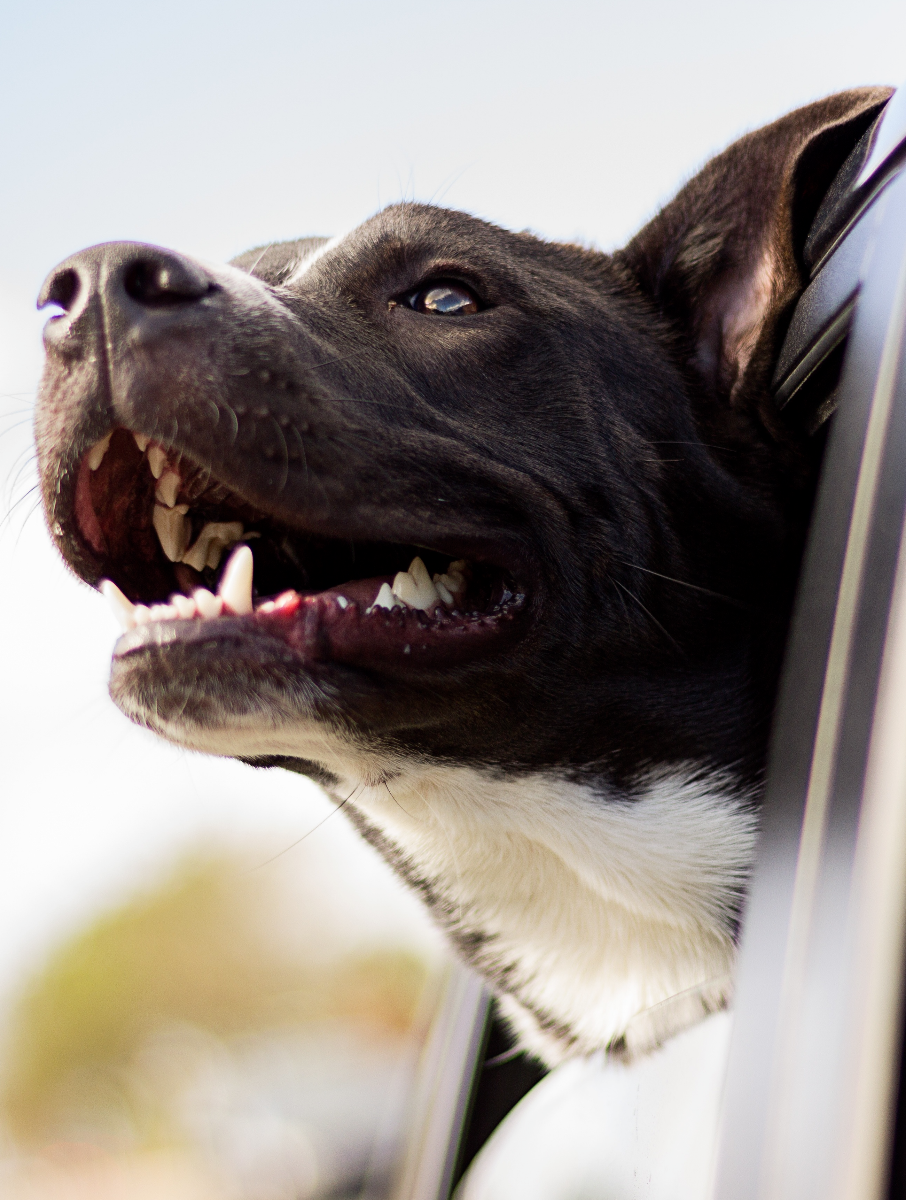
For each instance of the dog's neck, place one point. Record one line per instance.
(603, 920)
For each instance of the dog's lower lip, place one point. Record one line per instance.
(373, 622)
(331, 627)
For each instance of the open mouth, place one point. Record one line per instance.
(183, 554)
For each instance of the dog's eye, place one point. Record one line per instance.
(444, 300)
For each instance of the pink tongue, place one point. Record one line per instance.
(362, 591)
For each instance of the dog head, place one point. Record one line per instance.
(505, 502)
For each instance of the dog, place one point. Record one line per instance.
(495, 538)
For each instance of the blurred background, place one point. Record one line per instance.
(209, 988)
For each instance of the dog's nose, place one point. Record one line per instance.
(129, 280)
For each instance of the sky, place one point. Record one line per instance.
(212, 127)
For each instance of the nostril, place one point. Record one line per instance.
(158, 284)
(62, 288)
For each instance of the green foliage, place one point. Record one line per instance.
(195, 951)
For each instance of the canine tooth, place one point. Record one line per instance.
(123, 608)
(185, 606)
(168, 488)
(97, 452)
(442, 590)
(414, 587)
(173, 530)
(210, 544)
(385, 599)
(236, 583)
(207, 603)
(141, 441)
(157, 460)
(419, 572)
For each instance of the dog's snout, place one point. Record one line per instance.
(127, 280)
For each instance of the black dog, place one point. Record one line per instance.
(512, 532)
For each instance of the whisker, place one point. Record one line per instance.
(24, 418)
(333, 360)
(313, 829)
(19, 468)
(706, 445)
(682, 583)
(669, 636)
(28, 516)
(444, 186)
(9, 512)
(395, 801)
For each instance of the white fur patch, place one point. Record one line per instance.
(602, 912)
(600, 917)
(312, 257)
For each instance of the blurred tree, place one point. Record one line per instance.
(194, 951)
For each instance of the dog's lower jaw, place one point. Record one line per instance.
(602, 920)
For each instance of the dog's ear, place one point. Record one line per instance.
(723, 260)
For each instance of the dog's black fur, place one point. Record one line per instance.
(601, 430)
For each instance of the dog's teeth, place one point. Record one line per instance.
(141, 614)
(141, 441)
(414, 587)
(97, 452)
(405, 589)
(207, 603)
(197, 556)
(442, 590)
(385, 599)
(210, 544)
(168, 488)
(419, 572)
(185, 606)
(173, 530)
(163, 612)
(157, 460)
(342, 602)
(123, 608)
(456, 575)
(450, 583)
(236, 582)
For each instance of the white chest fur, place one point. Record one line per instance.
(602, 919)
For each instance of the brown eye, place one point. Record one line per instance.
(444, 300)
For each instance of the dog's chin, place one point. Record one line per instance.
(261, 713)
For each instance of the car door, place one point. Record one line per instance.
(814, 1078)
